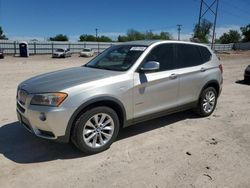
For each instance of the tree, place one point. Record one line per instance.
(104, 39)
(2, 36)
(202, 32)
(246, 33)
(232, 36)
(136, 35)
(122, 38)
(90, 38)
(59, 37)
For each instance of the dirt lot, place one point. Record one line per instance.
(180, 150)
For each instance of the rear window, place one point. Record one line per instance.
(205, 53)
(187, 55)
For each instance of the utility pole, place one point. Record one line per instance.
(96, 36)
(179, 30)
(199, 22)
(213, 9)
(96, 33)
(215, 20)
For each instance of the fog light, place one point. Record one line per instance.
(42, 116)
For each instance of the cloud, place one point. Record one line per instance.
(224, 29)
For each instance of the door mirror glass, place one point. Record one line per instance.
(150, 66)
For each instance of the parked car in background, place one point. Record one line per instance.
(1, 54)
(62, 53)
(87, 52)
(89, 104)
(247, 74)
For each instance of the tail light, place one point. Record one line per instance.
(221, 68)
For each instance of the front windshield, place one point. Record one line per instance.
(117, 58)
(59, 50)
(86, 50)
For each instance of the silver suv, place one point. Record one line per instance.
(124, 85)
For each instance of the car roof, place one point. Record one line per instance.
(150, 42)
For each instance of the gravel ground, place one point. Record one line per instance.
(179, 150)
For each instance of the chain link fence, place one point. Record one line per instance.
(37, 47)
(12, 47)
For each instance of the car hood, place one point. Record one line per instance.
(63, 79)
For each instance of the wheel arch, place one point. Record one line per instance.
(111, 102)
(212, 83)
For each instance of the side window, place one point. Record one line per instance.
(164, 54)
(187, 55)
(206, 55)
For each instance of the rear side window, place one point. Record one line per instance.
(205, 53)
(164, 54)
(187, 55)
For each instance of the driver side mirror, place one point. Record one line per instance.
(150, 66)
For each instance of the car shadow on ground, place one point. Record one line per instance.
(22, 147)
(242, 82)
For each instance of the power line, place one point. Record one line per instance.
(230, 4)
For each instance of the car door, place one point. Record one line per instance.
(156, 91)
(191, 72)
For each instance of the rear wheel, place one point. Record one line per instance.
(207, 102)
(96, 129)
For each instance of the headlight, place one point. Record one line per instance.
(48, 99)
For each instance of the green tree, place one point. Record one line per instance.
(2, 36)
(136, 35)
(104, 39)
(202, 32)
(90, 38)
(246, 33)
(59, 37)
(122, 38)
(232, 36)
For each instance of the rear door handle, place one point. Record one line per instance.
(173, 76)
(203, 69)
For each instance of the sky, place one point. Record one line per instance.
(41, 19)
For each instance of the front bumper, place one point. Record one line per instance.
(57, 55)
(247, 77)
(45, 122)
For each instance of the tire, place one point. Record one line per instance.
(207, 102)
(91, 138)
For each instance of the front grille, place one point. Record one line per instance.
(19, 107)
(22, 96)
(25, 122)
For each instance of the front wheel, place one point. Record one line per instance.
(207, 102)
(96, 129)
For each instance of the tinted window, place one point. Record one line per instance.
(117, 58)
(206, 55)
(187, 55)
(164, 54)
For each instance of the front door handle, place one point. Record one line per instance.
(203, 69)
(173, 76)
